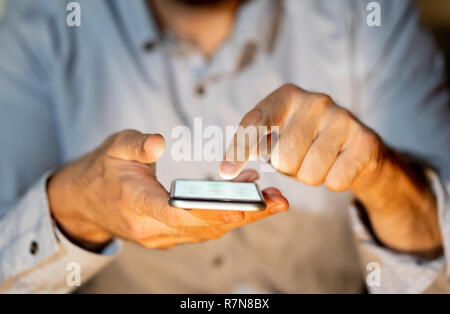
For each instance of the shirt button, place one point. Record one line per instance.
(34, 248)
(200, 89)
(149, 46)
(218, 261)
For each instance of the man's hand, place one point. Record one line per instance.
(322, 143)
(319, 141)
(113, 191)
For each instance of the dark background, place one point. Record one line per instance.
(436, 16)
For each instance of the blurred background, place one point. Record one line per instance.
(435, 15)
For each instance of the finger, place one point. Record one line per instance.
(272, 111)
(177, 217)
(271, 191)
(244, 144)
(294, 143)
(321, 155)
(248, 175)
(165, 237)
(276, 203)
(170, 241)
(136, 146)
(344, 170)
(217, 216)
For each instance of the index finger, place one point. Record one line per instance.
(271, 111)
(276, 203)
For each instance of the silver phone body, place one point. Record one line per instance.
(215, 203)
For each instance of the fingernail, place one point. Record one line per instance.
(272, 192)
(254, 177)
(227, 169)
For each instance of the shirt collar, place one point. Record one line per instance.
(139, 24)
(254, 22)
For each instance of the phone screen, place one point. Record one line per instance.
(216, 190)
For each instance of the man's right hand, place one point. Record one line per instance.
(113, 191)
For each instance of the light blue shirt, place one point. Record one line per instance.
(64, 89)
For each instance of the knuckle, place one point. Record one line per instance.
(372, 140)
(119, 137)
(343, 117)
(115, 141)
(374, 146)
(107, 143)
(321, 102)
(253, 117)
(290, 90)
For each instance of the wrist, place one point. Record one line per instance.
(377, 186)
(394, 182)
(72, 223)
(372, 185)
(94, 244)
(402, 208)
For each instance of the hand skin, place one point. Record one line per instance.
(113, 192)
(322, 143)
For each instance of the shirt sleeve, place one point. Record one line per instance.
(403, 273)
(35, 257)
(32, 257)
(403, 95)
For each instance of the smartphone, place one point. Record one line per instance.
(216, 195)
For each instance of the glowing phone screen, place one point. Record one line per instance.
(216, 190)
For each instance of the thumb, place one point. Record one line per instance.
(136, 146)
